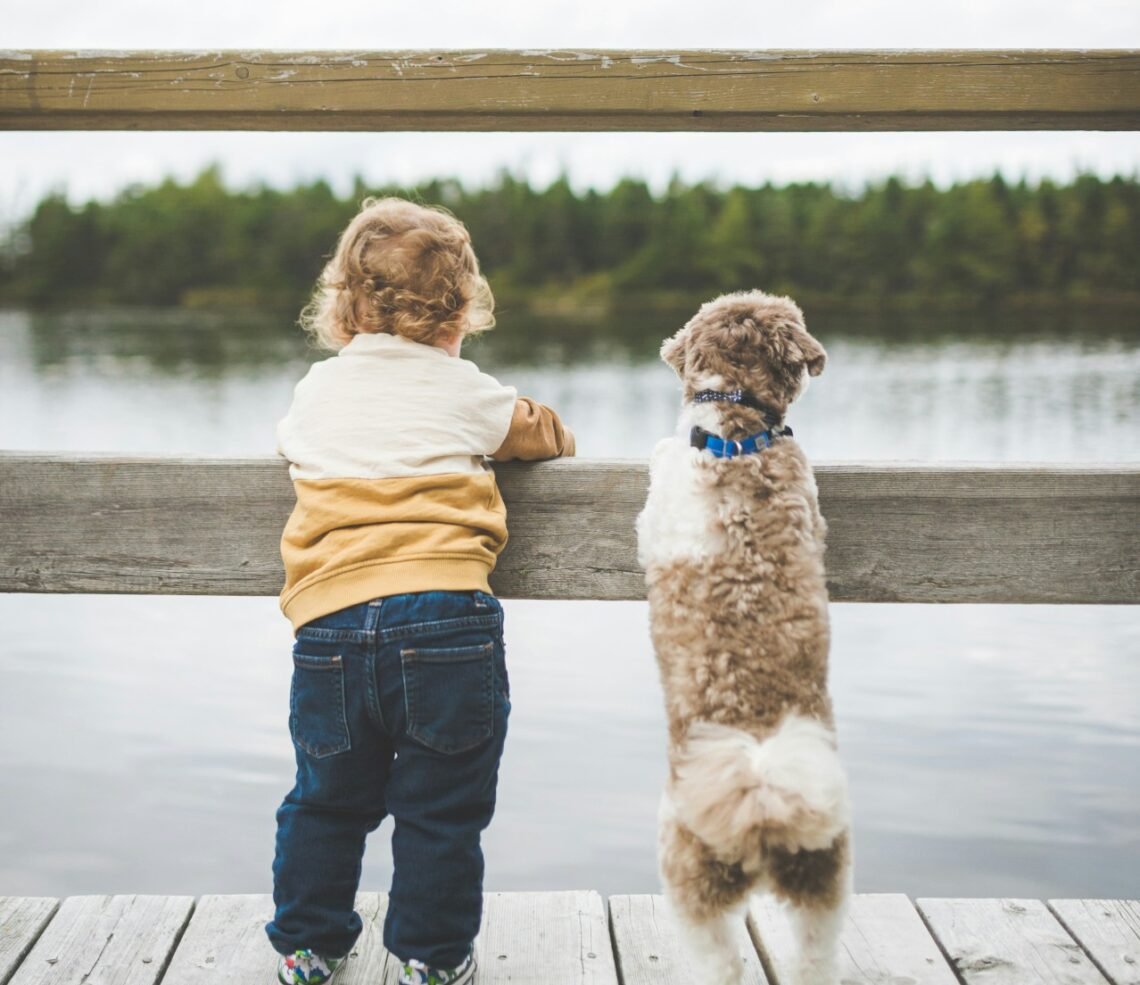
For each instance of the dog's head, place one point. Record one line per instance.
(747, 341)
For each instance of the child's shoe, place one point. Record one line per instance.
(306, 968)
(417, 973)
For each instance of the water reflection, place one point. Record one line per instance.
(174, 341)
(163, 343)
(168, 383)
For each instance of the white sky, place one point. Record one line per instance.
(99, 164)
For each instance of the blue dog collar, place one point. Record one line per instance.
(728, 448)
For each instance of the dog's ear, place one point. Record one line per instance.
(674, 350)
(803, 348)
(787, 344)
(790, 342)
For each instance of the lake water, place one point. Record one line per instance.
(993, 750)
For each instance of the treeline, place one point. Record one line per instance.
(977, 242)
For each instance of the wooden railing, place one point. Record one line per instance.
(571, 90)
(897, 533)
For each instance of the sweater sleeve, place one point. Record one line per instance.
(535, 433)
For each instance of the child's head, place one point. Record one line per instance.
(402, 269)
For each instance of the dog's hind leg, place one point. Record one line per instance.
(707, 898)
(818, 886)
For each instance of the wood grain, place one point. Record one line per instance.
(583, 90)
(127, 940)
(22, 920)
(1051, 534)
(545, 939)
(226, 943)
(562, 938)
(884, 942)
(649, 951)
(1109, 931)
(1007, 942)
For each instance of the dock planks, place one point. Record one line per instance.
(127, 940)
(649, 950)
(1109, 931)
(884, 941)
(21, 923)
(1008, 942)
(575, 938)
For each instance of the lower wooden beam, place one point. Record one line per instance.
(924, 533)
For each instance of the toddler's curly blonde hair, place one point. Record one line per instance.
(402, 269)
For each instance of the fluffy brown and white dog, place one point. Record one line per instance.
(732, 542)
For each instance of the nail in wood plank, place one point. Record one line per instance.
(369, 963)
(1108, 930)
(226, 942)
(883, 942)
(22, 919)
(1007, 942)
(649, 951)
(127, 940)
(545, 939)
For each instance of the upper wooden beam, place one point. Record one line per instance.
(897, 533)
(571, 90)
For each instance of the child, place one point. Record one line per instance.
(400, 697)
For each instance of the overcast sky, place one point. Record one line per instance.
(99, 164)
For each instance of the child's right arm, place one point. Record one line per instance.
(535, 433)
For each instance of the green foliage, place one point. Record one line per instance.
(977, 242)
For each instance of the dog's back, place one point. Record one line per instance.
(740, 629)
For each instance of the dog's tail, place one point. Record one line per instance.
(733, 790)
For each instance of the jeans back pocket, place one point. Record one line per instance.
(318, 721)
(450, 695)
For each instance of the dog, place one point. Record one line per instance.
(732, 540)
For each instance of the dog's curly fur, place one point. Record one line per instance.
(733, 553)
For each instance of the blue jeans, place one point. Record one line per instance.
(398, 706)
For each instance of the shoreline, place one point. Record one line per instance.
(574, 303)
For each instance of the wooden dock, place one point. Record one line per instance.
(579, 938)
(1037, 533)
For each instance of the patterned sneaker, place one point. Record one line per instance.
(417, 973)
(306, 968)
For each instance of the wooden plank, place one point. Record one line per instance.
(127, 940)
(649, 951)
(1005, 533)
(226, 943)
(1002, 534)
(1109, 931)
(545, 939)
(884, 942)
(1007, 942)
(570, 90)
(22, 920)
(143, 526)
(369, 962)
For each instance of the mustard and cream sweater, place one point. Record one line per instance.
(386, 443)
